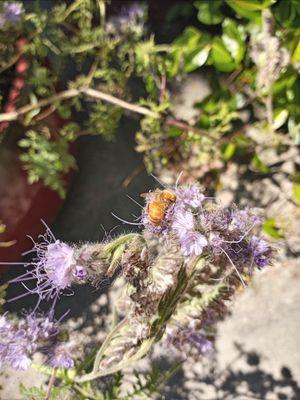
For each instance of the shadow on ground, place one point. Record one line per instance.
(249, 382)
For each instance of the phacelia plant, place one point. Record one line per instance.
(179, 274)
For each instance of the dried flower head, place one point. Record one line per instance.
(268, 55)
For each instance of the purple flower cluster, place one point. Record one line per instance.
(186, 339)
(131, 14)
(36, 332)
(55, 268)
(260, 251)
(131, 17)
(203, 227)
(11, 12)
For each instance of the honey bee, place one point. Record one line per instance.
(159, 204)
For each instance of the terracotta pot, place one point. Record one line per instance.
(22, 206)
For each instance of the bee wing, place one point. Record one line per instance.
(144, 195)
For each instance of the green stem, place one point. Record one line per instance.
(119, 241)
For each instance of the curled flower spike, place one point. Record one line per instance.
(201, 226)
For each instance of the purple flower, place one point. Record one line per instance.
(260, 251)
(59, 356)
(216, 220)
(193, 243)
(130, 18)
(11, 12)
(131, 14)
(58, 263)
(35, 332)
(202, 344)
(80, 272)
(190, 196)
(54, 269)
(243, 221)
(19, 340)
(135, 11)
(183, 222)
(184, 339)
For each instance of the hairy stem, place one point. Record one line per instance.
(50, 385)
(269, 107)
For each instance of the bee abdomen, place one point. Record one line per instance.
(156, 212)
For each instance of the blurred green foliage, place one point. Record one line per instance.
(68, 46)
(248, 50)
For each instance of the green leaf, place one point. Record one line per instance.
(294, 130)
(234, 39)
(32, 392)
(296, 192)
(259, 165)
(229, 150)
(287, 13)
(221, 57)
(201, 57)
(189, 39)
(174, 132)
(46, 159)
(209, 12)
(250, 9)
(296, 53)
(270, 228)
(250, 5)
(280, 117)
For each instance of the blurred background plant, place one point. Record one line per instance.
(77, 55)
(65, 47)
(249, 53)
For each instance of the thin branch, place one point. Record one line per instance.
(163, 87)
(70, 93)
(269, 108)
(50, 385)
(15, 115)
(186, 127)
(97, 94)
